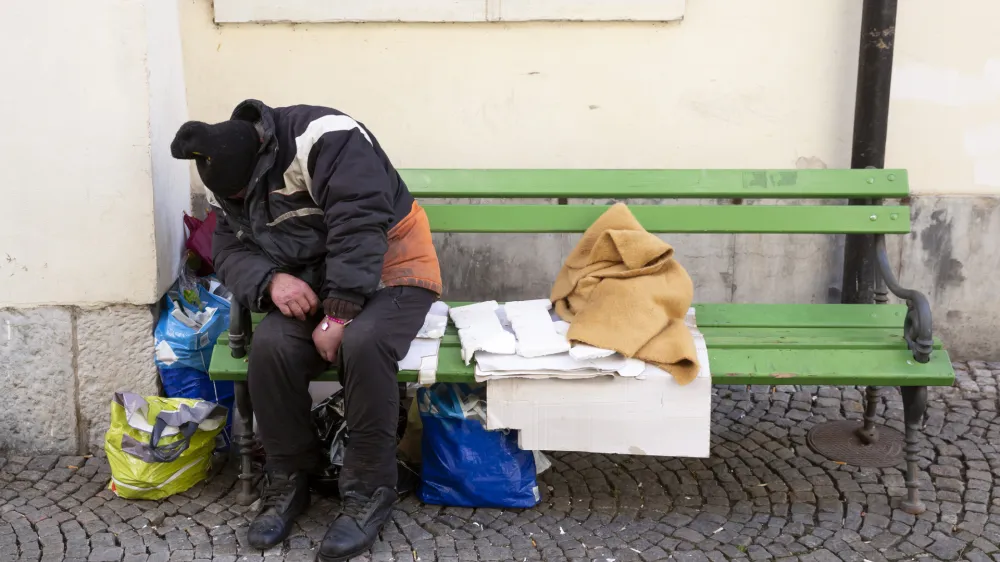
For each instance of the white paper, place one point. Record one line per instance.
(535, 331)
(419, 349)
(434, 327)
(582, 352)
(559, 362)
(479, 329)
(474, 314)
(484, 376)
(516, 307)
(165, 354)
(436, 321)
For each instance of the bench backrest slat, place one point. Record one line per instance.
(659, 184)
(783, 219)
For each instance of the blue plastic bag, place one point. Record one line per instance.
(179, 344)
(464, 465)
(184, 352)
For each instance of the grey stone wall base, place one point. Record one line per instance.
(115, 353)
(37, 381)
(60, 366)
(953, 255)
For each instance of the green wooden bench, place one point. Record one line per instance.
(748, 344)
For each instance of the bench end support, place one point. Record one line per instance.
(243, 439)
(914, 406)
(918, 326)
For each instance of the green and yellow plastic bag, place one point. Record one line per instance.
(159, 447)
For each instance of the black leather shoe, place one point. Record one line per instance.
(286, 496)
(354, 531)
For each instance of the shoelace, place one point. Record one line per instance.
(276, 491)
(354, 506)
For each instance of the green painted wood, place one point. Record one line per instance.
(763, 338)
(806, 338)
(659, 184)
(830, 367)
(784, 219)
(844, 367)
(800, 315)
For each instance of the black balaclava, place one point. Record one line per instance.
(225, 153)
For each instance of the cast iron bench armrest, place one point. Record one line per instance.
(917, 327)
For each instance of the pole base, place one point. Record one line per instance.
(913, 508)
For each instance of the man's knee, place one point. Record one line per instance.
(277, 345)
(363, 339)
(268, 338)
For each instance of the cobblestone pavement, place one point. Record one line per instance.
(761, 496)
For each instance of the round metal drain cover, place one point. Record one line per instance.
(838, 441)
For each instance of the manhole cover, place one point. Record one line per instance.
(838, 441)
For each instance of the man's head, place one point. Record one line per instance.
(225, 153)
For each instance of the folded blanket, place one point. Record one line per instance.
(621, 289)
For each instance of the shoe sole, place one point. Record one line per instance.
(346, 557)
(321, 558)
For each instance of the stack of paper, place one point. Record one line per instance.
(523, 339)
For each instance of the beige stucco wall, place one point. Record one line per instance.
(945, 113)
(91, 229)
(757, 83)
(77, 172)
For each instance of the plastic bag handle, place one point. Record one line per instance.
(170, 453)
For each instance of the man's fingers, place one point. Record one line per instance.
(296, 310)
(306, 306)
(313, 301)
(284, 310)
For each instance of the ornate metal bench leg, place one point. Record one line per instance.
(914, 405)
(869, 434)
(244, 445)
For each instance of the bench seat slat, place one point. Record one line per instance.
(806, 338)
(756, 344)
(777, 338)
(881, 367)
(658, 184)
(834, 367)
(760, 219)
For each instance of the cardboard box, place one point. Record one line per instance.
(651, 416)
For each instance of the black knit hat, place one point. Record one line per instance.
(225, 153)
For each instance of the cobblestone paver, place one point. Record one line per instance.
(763, 495)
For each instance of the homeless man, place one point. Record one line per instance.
(319, 230)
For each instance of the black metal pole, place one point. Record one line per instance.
(871, 123)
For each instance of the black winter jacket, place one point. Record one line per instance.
(324, 203)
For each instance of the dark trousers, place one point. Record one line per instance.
(283, 360)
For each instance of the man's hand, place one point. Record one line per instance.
(293, 296)
(328, 341)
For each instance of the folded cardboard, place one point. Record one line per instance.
(647, 415)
